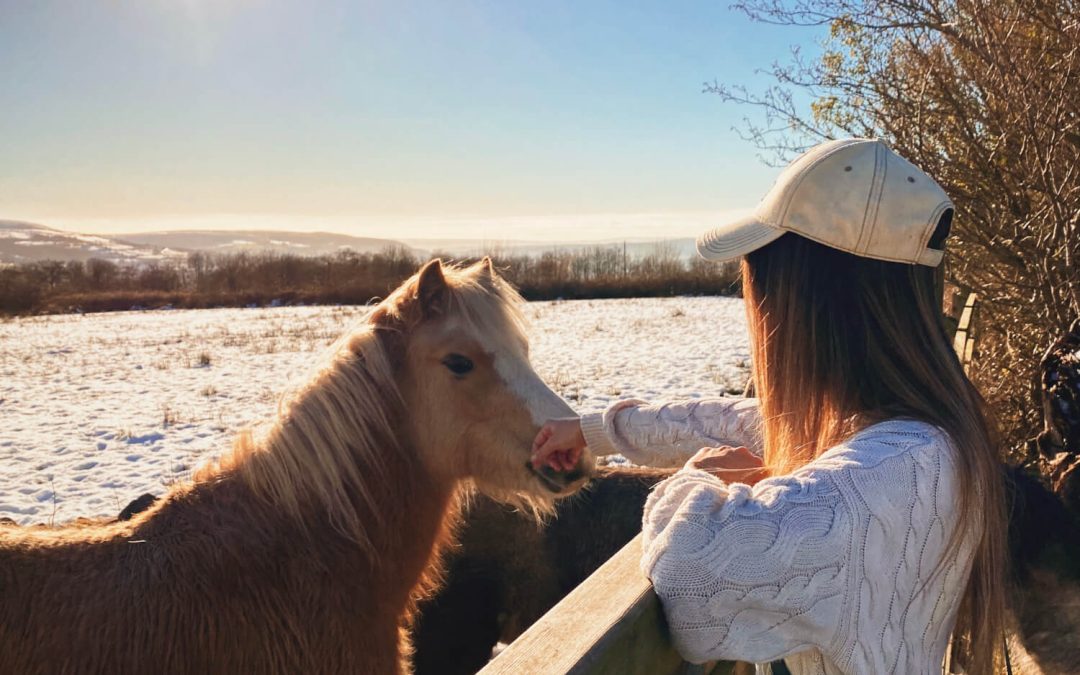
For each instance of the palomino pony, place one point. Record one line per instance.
(305, 549)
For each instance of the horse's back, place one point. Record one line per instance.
(161, 594)
(45, 574)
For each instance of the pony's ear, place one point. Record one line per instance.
(431, 288)
(485, 270)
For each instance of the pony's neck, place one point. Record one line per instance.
(418, 523)
(338, 467)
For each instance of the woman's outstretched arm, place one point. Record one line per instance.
(668, 434)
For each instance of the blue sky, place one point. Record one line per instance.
(502, 120)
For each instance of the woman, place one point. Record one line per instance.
(850, 518)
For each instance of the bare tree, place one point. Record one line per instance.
(985, 96)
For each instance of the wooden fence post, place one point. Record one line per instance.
(964, 338)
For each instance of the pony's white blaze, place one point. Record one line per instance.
(513, 367)
(542, 403)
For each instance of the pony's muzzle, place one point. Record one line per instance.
(560, 481)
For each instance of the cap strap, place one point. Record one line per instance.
(931, 257)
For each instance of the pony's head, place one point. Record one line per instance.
(438, 377)
(473, 402)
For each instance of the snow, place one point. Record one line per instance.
(94, 239)
(97, 409)
(282, 242)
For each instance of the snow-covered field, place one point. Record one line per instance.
(97, 409)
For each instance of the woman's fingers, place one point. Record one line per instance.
(544, 445)
(555, 460)
(558, 445)
(541, 438)
(564, 460)
(544, 448)
(734, 465)
(568, 458)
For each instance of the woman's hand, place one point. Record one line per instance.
(559, 444)
(732, 465)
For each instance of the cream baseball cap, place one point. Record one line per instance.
(855, 195)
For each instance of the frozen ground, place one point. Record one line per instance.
(97, 409)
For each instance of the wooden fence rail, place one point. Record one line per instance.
(611, 624)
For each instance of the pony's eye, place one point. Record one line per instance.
(458, 364)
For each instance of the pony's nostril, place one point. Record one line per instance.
(558, 481)
(551, 479)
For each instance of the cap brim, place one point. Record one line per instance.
(736, 239)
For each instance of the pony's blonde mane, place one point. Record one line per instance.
(333, 437)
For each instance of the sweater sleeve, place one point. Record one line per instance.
(837, 558)
(669, 434)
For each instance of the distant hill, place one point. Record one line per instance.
(635, 248)
(236, 241)
(27, 242)
(22, 242)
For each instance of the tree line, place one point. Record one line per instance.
(347, 277)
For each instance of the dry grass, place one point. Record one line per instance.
(169, 416)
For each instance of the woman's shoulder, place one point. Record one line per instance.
(897, 467)
(891, 442)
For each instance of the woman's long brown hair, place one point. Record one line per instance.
(840, 342)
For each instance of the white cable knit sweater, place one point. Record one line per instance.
(839, 567)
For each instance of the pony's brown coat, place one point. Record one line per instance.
(206, 582)
(302, 551)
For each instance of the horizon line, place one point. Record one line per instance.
(539, 229)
